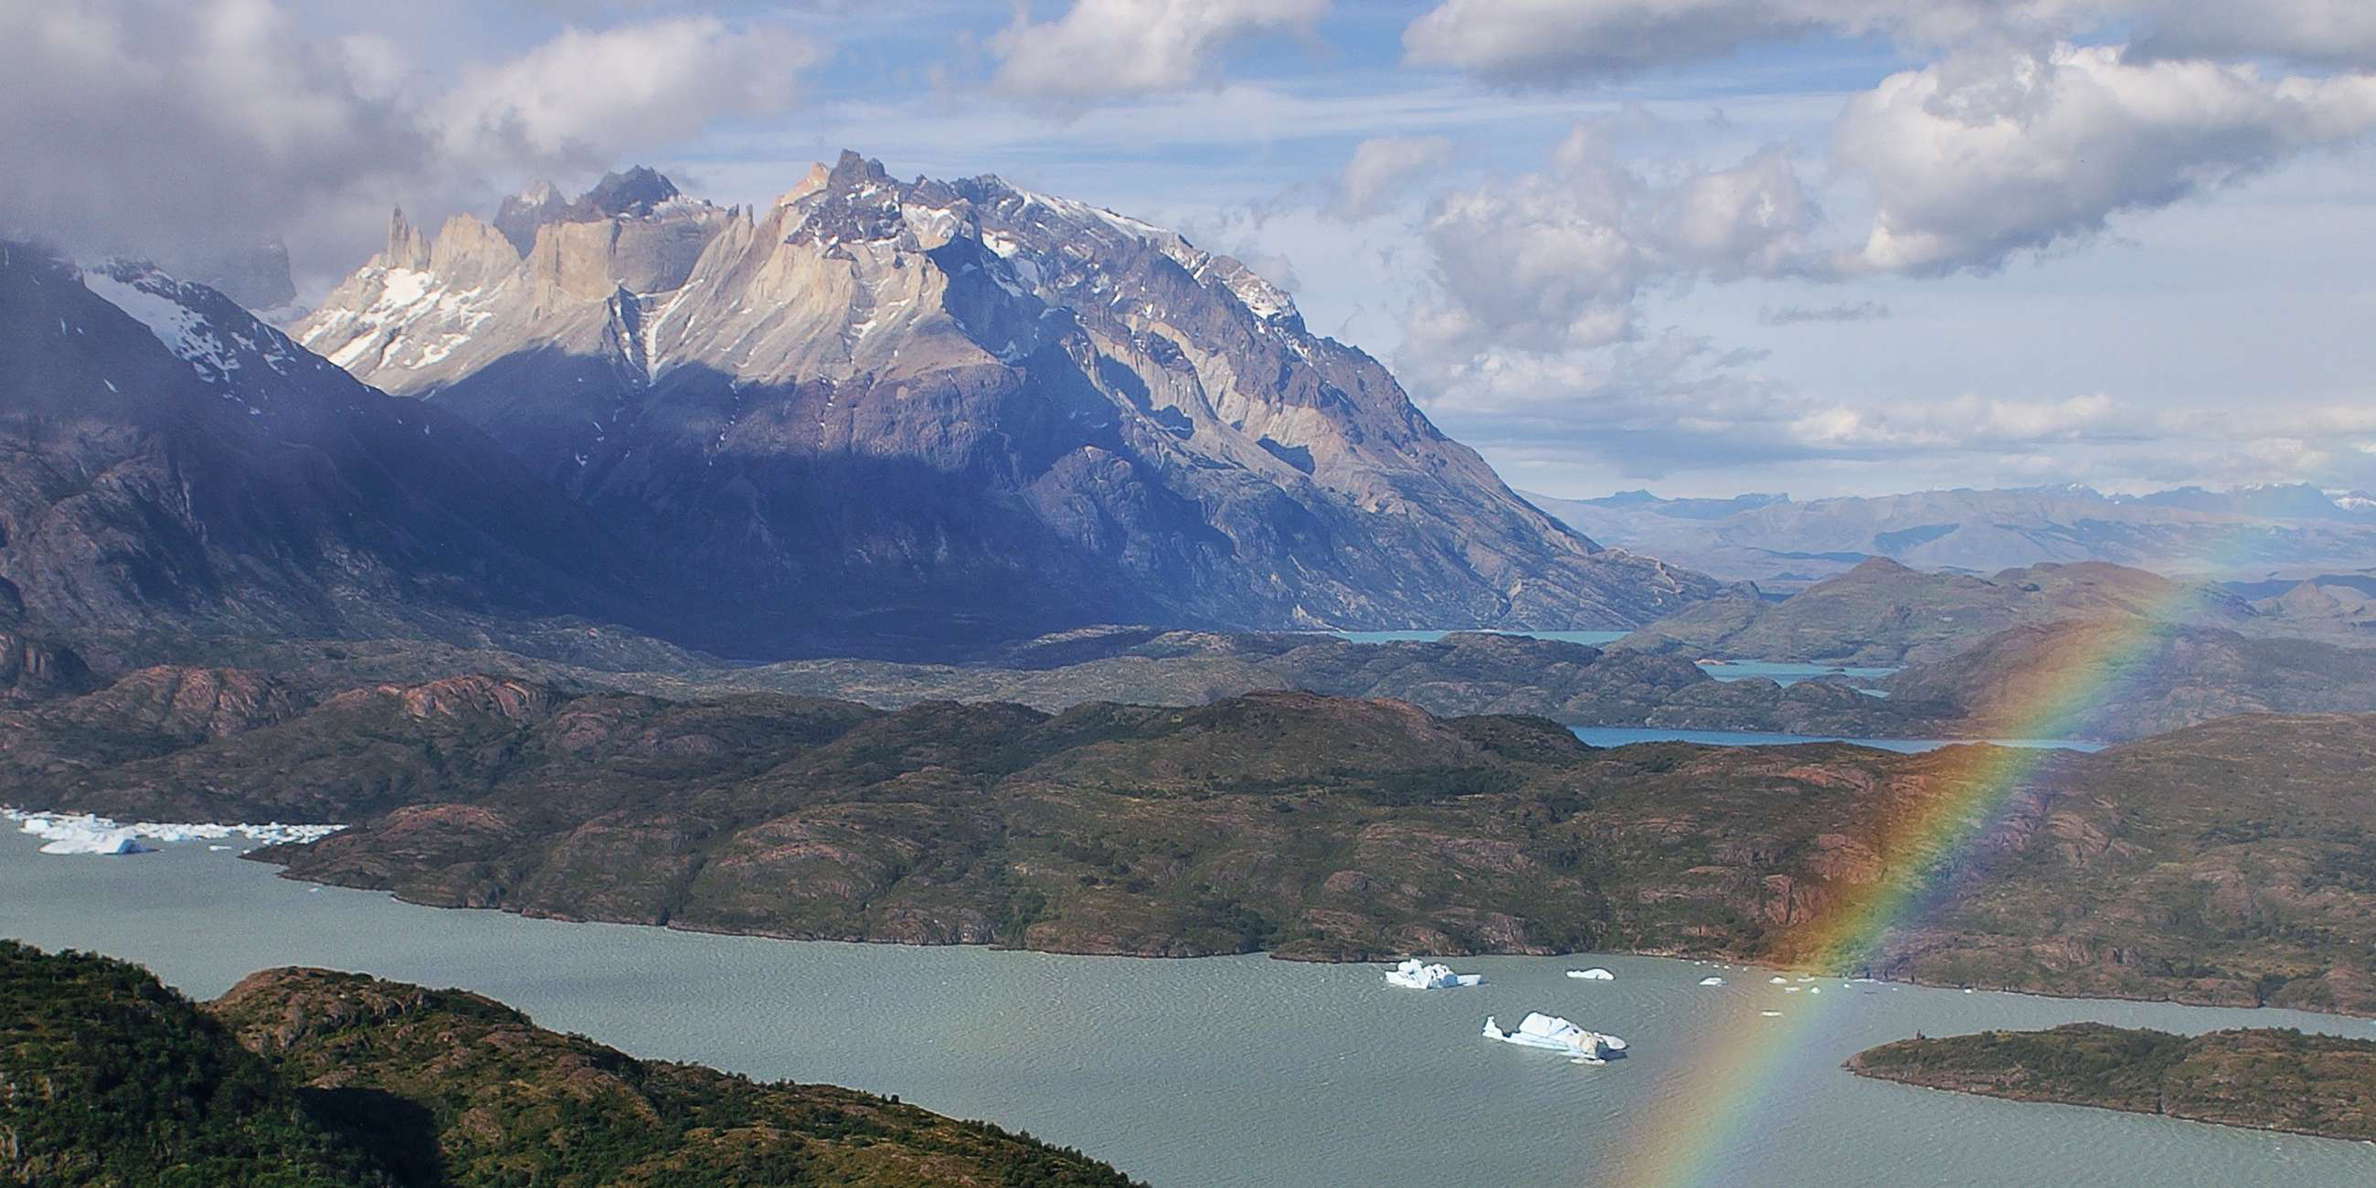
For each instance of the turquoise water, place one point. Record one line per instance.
(1788, 674)
(1223, 1071)
(1589, 638)
(1618, 736)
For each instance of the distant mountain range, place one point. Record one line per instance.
(2253, 533)
(1884, 613)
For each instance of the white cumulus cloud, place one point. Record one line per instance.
(1108, 48)
(1555, 261)
(1383, 168)
(1986, 154)
(586, 92)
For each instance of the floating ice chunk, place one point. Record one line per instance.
(1778, 980)
(1539, 1030)
(86, 833)
(1711, 980)
(1414, 974)
(74, 840)
(1595, 974)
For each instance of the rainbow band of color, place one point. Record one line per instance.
(1695, 1134)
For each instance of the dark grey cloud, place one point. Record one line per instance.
(1585, 42)
(177, 130)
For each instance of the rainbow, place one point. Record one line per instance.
(1694, 1133)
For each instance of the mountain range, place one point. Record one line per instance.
(2252, 533)
(1884, 613)
(877, 417)
(933, 410)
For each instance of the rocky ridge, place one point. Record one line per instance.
(308, 1078)
(1313, 827)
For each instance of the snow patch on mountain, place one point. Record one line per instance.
(183, 330)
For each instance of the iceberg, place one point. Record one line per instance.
(79, 840)
(1538, 1030)
(1595, 974)
(1415, 974)
(1711, 980)
(1778, 980)
(88, 833)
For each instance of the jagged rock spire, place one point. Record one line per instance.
(407, 247)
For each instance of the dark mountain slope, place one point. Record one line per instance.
(184, 468)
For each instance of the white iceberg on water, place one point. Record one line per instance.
(1415, 974)
(1711, 980)
(1538, 1030)
(79, 840)
(1595, 974)
(87, 833)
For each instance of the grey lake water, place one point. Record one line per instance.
(1430, 635)
(1618, 736)
(1225, 1071)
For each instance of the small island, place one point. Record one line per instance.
(2265, 1078)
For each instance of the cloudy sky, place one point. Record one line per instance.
(1704, 246)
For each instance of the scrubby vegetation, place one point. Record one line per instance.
(2264, 1078)
(2227, 863)
(108, 1078)
(298, 1078)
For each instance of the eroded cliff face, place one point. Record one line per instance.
(943, 407)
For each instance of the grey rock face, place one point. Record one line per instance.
(935, 410)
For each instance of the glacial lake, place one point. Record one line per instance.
(1224, 1071)
(1779, 672)
(1618, 736)
(1590, 638)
